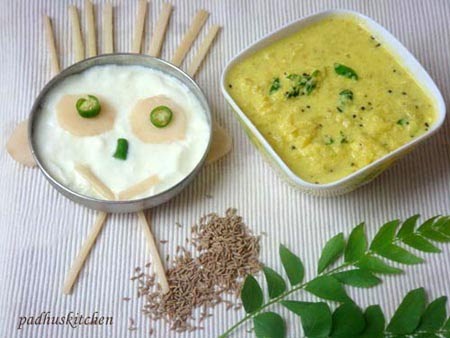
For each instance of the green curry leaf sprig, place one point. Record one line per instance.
(351, 262)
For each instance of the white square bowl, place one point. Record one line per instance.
(369, 172)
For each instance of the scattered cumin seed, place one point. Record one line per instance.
(131, 326)
(221, 252)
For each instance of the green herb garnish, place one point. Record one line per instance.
(302, 84)
(328, 140)
(345, 96)
(161, 116)
(293, 92)
(121, 149)
(88, 106)
(403, 122)
(311, 82)
(343, 137)
(276, 84)
(345, 71)
(357, 263)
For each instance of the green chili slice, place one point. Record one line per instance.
(88, 106)
(161, 116)
(121, 149)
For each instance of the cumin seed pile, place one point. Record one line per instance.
(222, 251)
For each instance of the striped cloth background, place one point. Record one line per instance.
(41, 232)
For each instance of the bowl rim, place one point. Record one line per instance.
(390, 40)
(116, 59)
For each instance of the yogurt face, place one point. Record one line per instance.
(121, 87)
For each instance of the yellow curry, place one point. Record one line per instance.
(330, 99)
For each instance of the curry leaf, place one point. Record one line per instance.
(356, 245)
(430, 229)
(375, 323)
(275, 283)
(333, 250)
(327, 287)
(357, 277)
(384, 236)
(435, 236)
(407, 316)
(408, 227)
(251, 295)
(342, 326)
(345, 71)
(434, 316)
(292, 265)
(269, 325)
(447, 325)
(428, 224)
(315, 317)
(376, 265)
(420, 243)
(398, 254)
(445, 227)
(408, 236)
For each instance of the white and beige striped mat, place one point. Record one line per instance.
(41, 231)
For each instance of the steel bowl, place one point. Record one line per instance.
(119, 59)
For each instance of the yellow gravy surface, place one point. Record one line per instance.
(330, 99)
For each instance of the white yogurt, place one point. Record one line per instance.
(122, 87)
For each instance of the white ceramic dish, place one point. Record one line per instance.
(366, 174)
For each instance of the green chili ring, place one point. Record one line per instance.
(161, 116)
(88, 107)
